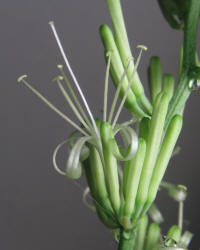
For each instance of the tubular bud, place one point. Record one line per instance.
(110, 168)
(155, 77)
(141, 232)
(144, 128)
(164, 156)
(122, 43)
(153, 146)
(117, 70)
(168, 85)
(97, 173)
(153, 237)
(135, 169)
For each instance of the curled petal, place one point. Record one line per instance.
(131, 138)
(70, 142)
(83, 153)
(73, 168)
(85, 202)
(54, 157)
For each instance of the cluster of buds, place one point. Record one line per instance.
(123, 179)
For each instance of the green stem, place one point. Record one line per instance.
(190, 35)
(126, 241)
(189, 52)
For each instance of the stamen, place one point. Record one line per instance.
(183, 192)
(142, 47)
(106, 86)
(60, 67)
(73, 77)
(21, 79)
(56, 78)
(129, 85)
(69, 101)
(180, 215)
(118, 91)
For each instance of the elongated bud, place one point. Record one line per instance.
(103, 211)
(155, 77)
(164, 156)
(153, 237)
(144, 128)
(141, 232)
(117, 70)
(97, 174)
(153, 146)
(122, 43)
(110, 168)
(135, 169)
(168, 85)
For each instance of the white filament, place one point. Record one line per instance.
(73, 76)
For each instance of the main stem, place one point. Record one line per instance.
(189, 51)
(127, 240)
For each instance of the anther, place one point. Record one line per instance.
(143, 47)
(60, 66)
(109, 53)
(51, 22)
(21, 78)
(56, 78)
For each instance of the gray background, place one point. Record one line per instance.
(39, 209)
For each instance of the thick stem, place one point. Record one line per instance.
(189, 51)
(127, 240)
(190, 35)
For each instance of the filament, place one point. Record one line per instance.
(69, 101)
(21, 79)
(118, 91)
(73, 76)
(129, 85)
(60, 67)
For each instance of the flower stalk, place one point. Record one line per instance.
(189, 67)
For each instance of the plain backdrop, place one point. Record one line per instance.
(39, 209)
